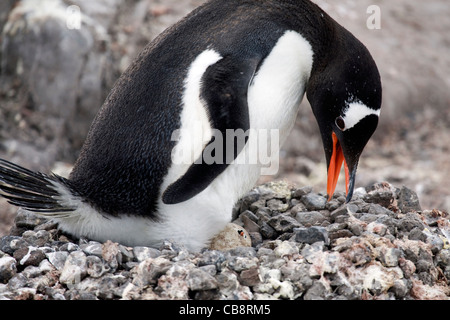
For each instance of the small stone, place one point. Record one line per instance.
(267, 231)
(390, 257)
(173, 283)
(300, 192)
(311, 235)
(409, 222)
(251, 197)
(197, 280)
(250, 277)
(341, 211)
(28, 220)
(210, 269)
(111, 254)
(277, 205)
(255, 206)
(423, 266)
(248, 252)
(378, 279)
(95, 267)
(29, 256)
(143, 253)
(311, 218)
(408, 200)
(286, 248)
(249, 215)
(283, 223)
(421, 291)
(299, 207)
(149, 270)
(314, 201)
(242, 263)
(212, 257)
(126, 254)
(47, 226)
(36, 239)
(381, 193)
(249, 224)
(317, 291)
(375, 208)
(333, 205)
(8, 268)
(377, 228)
(92, 248)
(263, 214)
(417, 234)
(256, 238)
(9, 244)
(57, 259)
(69, 247)
(400, 288)
(75, 268)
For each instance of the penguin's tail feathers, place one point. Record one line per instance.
(47, 195)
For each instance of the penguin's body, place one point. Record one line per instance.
(145, 172)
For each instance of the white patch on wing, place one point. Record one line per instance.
(195, 130)
(355, 112)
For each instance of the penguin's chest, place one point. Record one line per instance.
(278, 87)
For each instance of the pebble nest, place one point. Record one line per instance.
(381, 245)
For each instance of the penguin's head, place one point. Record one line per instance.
(345, 97)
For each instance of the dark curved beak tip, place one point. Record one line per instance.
(351, 185)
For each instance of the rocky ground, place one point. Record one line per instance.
(376, 247)
(381, 245)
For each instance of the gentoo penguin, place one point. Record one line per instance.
(145, 172)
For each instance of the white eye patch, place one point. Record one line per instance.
(355, 112)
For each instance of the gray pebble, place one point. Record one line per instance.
(300, 192)
(142, 253)
(27, 219)
(29, 256)
(314, 201)
(248, 199)
(250, 224)
(408, 200)
(75, 268)
(267, 231)
(95, 267)
(311, 235)
(69, 247)
(261, 203)
(277, 205)
(92, 248)
(311, 218)
(317, 291)
(8, 268)
(199, 280)
(9, 244)
(283, 223)
(57, 258)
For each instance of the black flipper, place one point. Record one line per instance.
(224, 91)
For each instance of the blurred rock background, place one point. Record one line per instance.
(59, 59)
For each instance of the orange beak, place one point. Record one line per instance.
(334, 168)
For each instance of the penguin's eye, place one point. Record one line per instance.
(340, 123)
